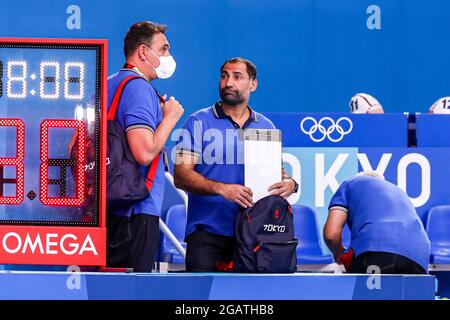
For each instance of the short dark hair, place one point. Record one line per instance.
(141, 32)
(251, 68)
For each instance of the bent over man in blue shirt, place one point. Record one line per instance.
(133, 231)
(210, 167)
(386, 231)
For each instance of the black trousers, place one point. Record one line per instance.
(132, 242)
(389, 263)
(205, 250)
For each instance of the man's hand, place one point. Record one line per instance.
(172, 109)
(237, 194)
(283, 188)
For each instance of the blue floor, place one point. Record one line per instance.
(208, 286)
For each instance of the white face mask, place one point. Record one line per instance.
(166, 66)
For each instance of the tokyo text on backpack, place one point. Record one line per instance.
(265, 239)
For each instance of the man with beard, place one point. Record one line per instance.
(210, 167)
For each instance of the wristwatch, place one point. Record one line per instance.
(295, 186)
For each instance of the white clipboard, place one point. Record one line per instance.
(262, 160)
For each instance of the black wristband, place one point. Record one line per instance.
(295, 185)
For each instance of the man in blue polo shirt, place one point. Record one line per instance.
(210, 167)
(133, 231)
(386, 230)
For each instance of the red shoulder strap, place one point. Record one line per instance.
(117, 96)
(151, 172)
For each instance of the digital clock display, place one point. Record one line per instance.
(50, 133)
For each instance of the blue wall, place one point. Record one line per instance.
(312, 55)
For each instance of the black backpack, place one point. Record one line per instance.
(124, 182)
(265, 239)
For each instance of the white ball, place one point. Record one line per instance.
(441, 106)
(363, 103)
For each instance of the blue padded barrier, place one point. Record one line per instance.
(432, 130)
(341, 129)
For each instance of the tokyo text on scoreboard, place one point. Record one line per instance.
(52, 140)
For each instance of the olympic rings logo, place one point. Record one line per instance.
(324, 130)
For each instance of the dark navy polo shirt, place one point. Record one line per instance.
(217, 139)
(382, 218)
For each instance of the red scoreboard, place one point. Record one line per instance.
(52, 151)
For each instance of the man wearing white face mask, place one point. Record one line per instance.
(148, 119)
(166, 66)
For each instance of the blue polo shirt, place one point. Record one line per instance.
(382, 218)
(139, 107)
(202, 135)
